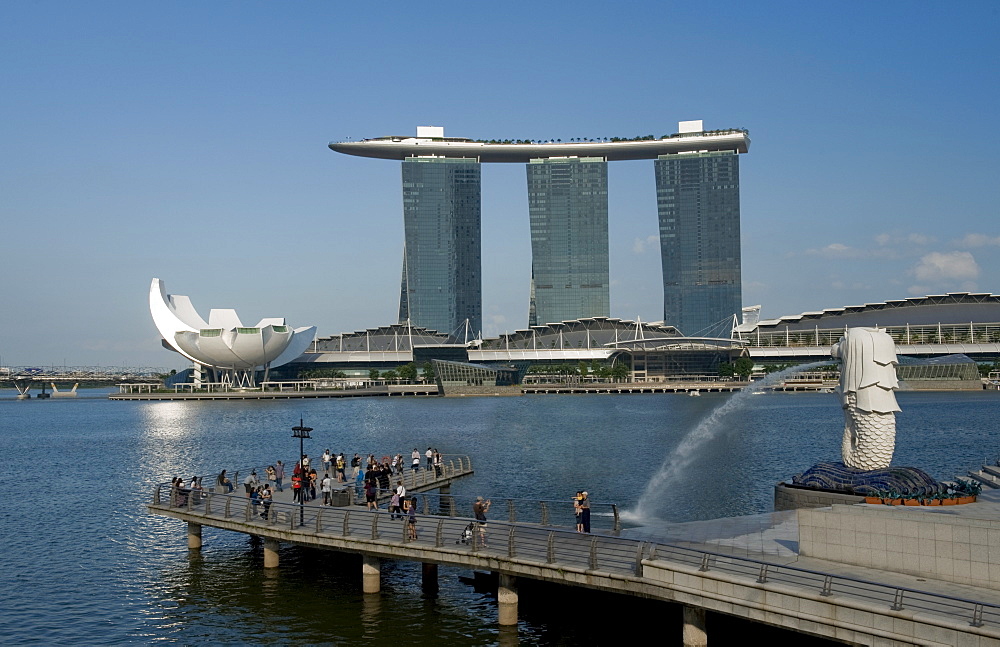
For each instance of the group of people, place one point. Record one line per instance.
(581, 506)
(180, 491)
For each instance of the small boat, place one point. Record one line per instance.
(694, 393)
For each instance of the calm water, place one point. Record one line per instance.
(85, 564)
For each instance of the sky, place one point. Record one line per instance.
(187, 141)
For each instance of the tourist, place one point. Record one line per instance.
(371, 493)
(305, 462)
(438, 464)
(265, 499)
(384, 475)
(576, 509)
(396, 459)
(326, 460)
(355, 466)
(250, 483)
(415, 459)
(255, 500)
(223, 484)
(297, 488)
(395, 506)
(327, 487)
(269, 473)
(430, 458)
(411, 517)
(584, 513)
(197, 491)
(479, 510)
(313, 477)
(341, 477)
(279, 475)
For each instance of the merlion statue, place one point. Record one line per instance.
(867, 379)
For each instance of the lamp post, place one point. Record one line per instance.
(301, 432)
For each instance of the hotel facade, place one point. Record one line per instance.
(697, 186)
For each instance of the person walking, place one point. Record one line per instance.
(411, 518)
(327, 487)
(297, 489)
(371, 493)
(279, 475)
(326, 460)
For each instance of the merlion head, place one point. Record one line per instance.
(868, 368)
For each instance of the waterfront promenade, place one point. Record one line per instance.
(752, 567)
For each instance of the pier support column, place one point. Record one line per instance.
(194, 535)
(445, 489)
(695, 634)
(371, 574)
(429, 580)
(271, 553)
(507, 600)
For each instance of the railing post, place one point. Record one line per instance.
(229, 500)
(375, 526)
(347, 528)
(617, 516)
(827, 586)
(550, 548)
(511, 512)
(427, 504)
(439, 534)
(545, 513)
(593, 553)
(977, 616)
(897, 603)
(156, 495)
(640, 549)
(762, 577)
(319, 517)
(511, 552)
(208, 503)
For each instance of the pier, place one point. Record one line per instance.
(765, 568)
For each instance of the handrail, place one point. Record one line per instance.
(561, 546)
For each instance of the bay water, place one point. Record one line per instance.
(84, 563)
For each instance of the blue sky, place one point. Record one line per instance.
(187, 141)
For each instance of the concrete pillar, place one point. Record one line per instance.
(194, 535)
(271, 553)
(371, 574)
(695, 634)
(445, 489)
(507, 600)
(430, 577)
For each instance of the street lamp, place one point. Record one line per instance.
(301, 432)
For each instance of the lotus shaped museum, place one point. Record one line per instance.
(234, 351)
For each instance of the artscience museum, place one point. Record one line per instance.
(223, 349)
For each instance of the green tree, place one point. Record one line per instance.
(621, 370)
(373, 374)
(743, 367)
(583, 368)
(726, 369)
(408, 372)
(391, 375)
(427, 369)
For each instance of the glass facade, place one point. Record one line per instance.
(698, 202)
(568, 209)
(442, 268)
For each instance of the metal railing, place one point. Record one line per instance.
(564, 548)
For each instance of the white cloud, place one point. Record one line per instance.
(945, 270)
(640, 245)
(977, 240)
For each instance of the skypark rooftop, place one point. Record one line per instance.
(431, 142)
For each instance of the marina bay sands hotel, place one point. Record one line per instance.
(698, 204)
